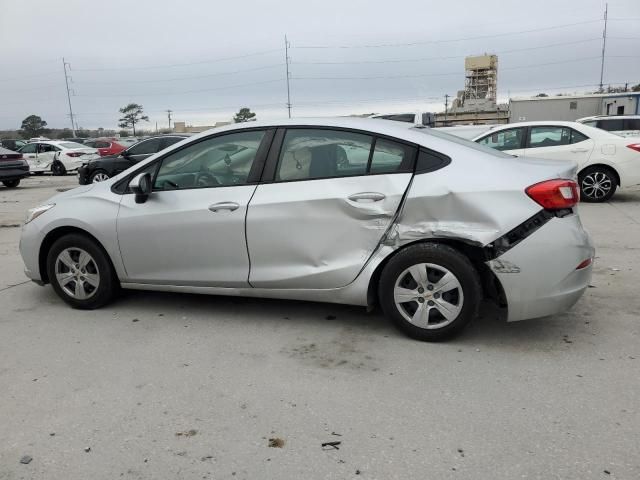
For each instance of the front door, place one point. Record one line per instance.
(558, 143)
(191, 229)
(332, 197)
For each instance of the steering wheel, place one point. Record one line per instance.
(205, 179)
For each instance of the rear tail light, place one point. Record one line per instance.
(634, 146)
(75, 154)
(585, 263)
(555, 194)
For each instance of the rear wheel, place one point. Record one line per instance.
(597, 184)
(57, 168)
(11, 183)
(99, 176)
(80, 272)
(430, 291)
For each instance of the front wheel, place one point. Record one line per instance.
(430, 291)
(597, 184)
(80, 272)
(11, 183)
(98, 176)
(57, 168)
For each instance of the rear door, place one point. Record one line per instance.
(510, 140)
(558, 143)
(327, 198)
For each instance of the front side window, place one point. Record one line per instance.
(146, 147)
(611, 125)
(549, 137)
(168, 141)
(632, 124)
(217, 162)
(510, 139)
(318, 153)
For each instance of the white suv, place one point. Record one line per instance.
(623, 125)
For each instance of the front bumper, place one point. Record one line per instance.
(83, 175)
(30, 242)
(539, 275)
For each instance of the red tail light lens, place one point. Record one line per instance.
(634, 146)
(74, 154)
(555, 194)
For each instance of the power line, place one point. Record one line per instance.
(177, 79)
(425, 42)
(187, 64)
(422, 59)
(388, 77)
(182, 92)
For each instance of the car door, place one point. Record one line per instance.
(45, 156)
(191, 229)
(30, 153)
(558, 143)
(327, 198)
(510, 140)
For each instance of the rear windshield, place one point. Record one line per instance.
(461, 141)
(72, 145)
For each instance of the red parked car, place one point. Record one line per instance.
(106, 146)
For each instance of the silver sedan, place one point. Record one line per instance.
(353, 211)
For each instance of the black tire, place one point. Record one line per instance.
(57, 168)
(94, 174)
(11, 183)
(449, 260)
(603, 178)
(107, 285)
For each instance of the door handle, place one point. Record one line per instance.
(367, 196)
(231, 206)
(580, 150)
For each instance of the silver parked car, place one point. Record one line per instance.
(353, 211)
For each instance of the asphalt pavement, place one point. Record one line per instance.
(160, 385)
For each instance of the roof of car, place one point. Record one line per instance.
(607, 117)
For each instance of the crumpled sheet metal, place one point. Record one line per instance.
(475, 217)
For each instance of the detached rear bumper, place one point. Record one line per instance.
(539, 275)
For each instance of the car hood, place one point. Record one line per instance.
(73, 192)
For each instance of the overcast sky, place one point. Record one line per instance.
(206, 59)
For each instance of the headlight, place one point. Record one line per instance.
(34, 213)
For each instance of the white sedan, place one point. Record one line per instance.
(57, 156)
(605, 161)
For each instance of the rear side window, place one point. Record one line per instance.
(611, 125)
(577, 137)
(632, 124)
(540, 137)
(510, 139)
(391, 157)
(318, 153)
(146, 147)
(29, 148)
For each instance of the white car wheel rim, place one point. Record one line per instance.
(596, 185)
(100, 177)
(428, 296)
(77, 273)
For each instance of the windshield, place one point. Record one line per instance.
(463, 142)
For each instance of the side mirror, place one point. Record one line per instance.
(125, 153)
(141, 186)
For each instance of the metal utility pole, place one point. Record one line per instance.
(66, 81)
(286, 58)
(604, 44)
(446, 107)
(169, 117)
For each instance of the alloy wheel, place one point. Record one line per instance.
(428, 295)
(596, 185)
(100, 177)
(77, 273)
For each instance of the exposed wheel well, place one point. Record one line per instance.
(491, 287)
(50, 239)
(602, 165)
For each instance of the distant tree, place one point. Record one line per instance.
(244, 115)
(611, 89)
(64, 133)
(33, 126)
(636, 88)
(542, 95)
(132, 114)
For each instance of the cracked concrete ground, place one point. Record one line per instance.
(182, 386)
